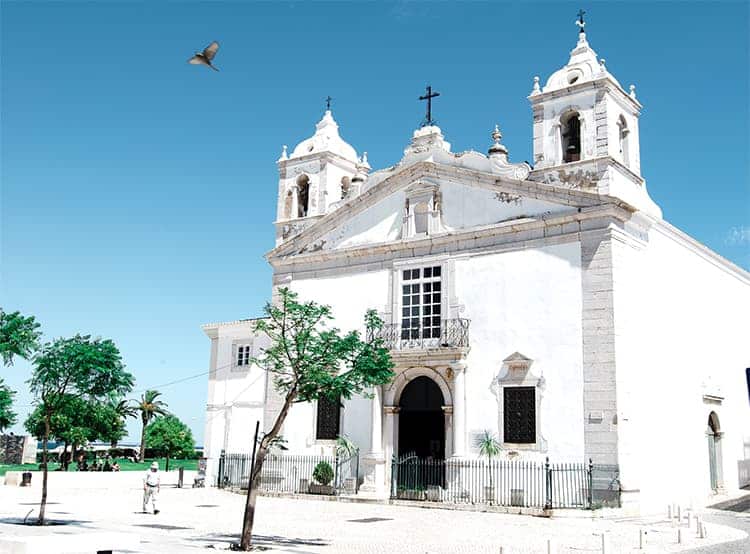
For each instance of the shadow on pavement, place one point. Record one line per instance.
(264, 540)
(741, 504)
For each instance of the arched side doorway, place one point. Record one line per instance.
(713, 432)
(421, 422)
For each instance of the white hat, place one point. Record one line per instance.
(154, 465)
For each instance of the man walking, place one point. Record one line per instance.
(151, 487)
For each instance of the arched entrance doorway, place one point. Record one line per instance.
(421, 422)
(713, 432)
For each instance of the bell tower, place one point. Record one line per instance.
(586, 129)
(321, 172)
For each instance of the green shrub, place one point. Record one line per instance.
(323, 473)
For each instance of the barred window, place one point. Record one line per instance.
(329, 413)
(519, 414)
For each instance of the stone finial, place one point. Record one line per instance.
(496, 134)
(497, 148)
(284, 155)
(602, 65)
(536, 89)
(632, 91)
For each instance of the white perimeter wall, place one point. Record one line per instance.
(681, 326)
(527, 301)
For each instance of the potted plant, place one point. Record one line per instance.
(323, 475)
(488, 447)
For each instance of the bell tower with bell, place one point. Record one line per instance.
(586, 129)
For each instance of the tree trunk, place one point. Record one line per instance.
(64, 457)
(73, 452)
(142, 451)
(43, 504)
(166, 466)
(247, 524)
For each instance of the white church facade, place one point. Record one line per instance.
(552, 306)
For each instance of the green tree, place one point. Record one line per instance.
(78, 367)
(7, 415)
(308, 360)
(171, 438)
(19, 336)
(149, 408)
(72, 423)
(117, 410)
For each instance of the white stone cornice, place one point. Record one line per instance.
(480, 239)
(211, 329)
(431, 171)
(604, 82)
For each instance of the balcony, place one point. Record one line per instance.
(452, 333)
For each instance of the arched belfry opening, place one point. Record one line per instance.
(570, 130)
(713, 433)
(303, 195)
(421, 424)
(624, 140)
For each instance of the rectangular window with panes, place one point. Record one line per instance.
(421, 293)
(243, 355)
(519, 414)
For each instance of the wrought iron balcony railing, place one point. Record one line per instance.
(452, 333)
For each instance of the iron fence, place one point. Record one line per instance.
(290, 473)
(453, 333)
(505, 483)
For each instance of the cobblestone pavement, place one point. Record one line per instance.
(735, 514)
(194, 519)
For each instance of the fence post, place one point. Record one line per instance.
(336, 472)
(220, 476)
(548, 481)
(356, 474)
(394, 477)
(591, 484)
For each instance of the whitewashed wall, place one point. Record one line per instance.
(235, 395)
(527, 301)
(350, 295)
(681, 325)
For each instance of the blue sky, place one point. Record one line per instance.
(138, 191)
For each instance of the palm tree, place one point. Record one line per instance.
(489, 447)
(122, 409)
(149, 407)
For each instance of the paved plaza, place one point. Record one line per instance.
(197, 519)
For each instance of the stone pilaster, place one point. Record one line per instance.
(599, 376)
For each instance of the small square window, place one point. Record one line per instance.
(427, 272)
(428, 287)
(436, 271)
(436, 286)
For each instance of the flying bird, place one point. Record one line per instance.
(205, 57)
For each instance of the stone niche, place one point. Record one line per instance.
(17, 449)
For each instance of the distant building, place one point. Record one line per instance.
(553, 306)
